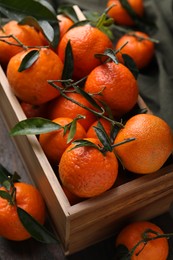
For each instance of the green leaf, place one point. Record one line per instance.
(5, 195)
(108, 53)
(82, 142)
(16, 177)
(7, 185)
(36, 230)
(17, 9)
(141, 24)
(125, 4)
(4, 174)
(121, 253)
(48, 5)
(69, 63)
(40, 10)
(114, 131)
(72, 131)
(130, 64)
(34, 126)
(103, 137)
(88, 97)
(71, 127)
(80, 23)
(111, 54)
(29, 59)
(68, 11)
(43, 26)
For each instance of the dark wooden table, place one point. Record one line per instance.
(32, 249)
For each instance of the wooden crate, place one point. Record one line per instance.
(95, 219)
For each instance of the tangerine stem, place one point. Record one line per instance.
(124, 141)
(146, 239)
(19, 43)
(127, 31)
(101, 114)
(121, 47)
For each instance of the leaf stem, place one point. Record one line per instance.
(18, 42)
(146, 239)
(124, 141)
(100, 114)
(132, 33)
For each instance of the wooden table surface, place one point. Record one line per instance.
(32, 249)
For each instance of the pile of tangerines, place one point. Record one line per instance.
(88, 108)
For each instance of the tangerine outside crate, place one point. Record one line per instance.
(95, 219)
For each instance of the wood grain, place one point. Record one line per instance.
(31, 249)
(93, 220)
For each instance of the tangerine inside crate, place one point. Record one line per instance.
(95, 219)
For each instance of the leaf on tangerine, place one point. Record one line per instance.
(68, 63)
(35, 229)
(81, 142)
(7, 184)
(88, 97)
(142, 24)
(130, 64)
(47, 28)
(114, 131)
(5, 175)
(18, 9)
(72, 131)
(29, 59)
(72, 128)
(103, 137)
(109, 53)
(68, 11)
(16, 177)
(5, 195)
(125, 4)
(121, 253)
(34, 126)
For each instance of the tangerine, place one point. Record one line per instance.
(117, 85)
(139, 47)
(72, 198)
(31, 84)
(86, 41)
(33, 110)
(26, 34)
(27, 198)
(54, 143)
(64, 24)
(61, 107)
(152, 146)
(86, 172)
(156, 249)
(121, 15)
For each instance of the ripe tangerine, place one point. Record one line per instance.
(139, 48)
(86, 41)
(117, 85)
(86, 172)
(54, 143)
(31, 84)
(152, 146)
(121, 15)
(27, 198)
(130, 235)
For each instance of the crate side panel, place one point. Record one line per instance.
(88, 227)
(35, 161)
